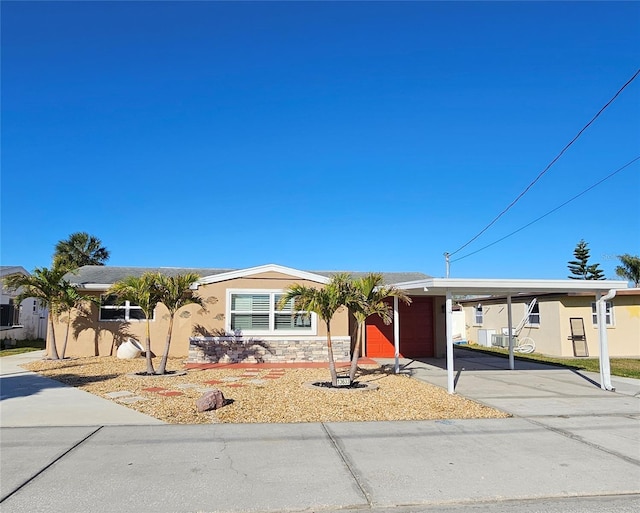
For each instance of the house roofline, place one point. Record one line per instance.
(251, 271)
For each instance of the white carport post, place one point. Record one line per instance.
(396, 334)
(601, 313)
(510, 328)
(449, 328)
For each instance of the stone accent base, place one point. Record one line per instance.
(254, 350)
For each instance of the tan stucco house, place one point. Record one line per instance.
(241, 321)
(559, 324)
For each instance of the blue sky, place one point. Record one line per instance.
(320, 135)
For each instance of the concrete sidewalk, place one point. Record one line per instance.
(585, 458)
(28, 399)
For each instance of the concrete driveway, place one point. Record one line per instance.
(566, 401)
(585, 458)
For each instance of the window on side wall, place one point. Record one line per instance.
(111, 310)
(608, 316)
(534, 316)
(478, 314)
(260, 313)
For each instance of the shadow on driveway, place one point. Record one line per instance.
(28, 383)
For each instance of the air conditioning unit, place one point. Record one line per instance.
(500, 340)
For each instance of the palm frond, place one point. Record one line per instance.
(141, 290)
(79, 249)
(176, 292)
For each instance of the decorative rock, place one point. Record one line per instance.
(133, 399)
(118, 395)
(210, 401)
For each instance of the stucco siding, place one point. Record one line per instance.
(88, 336)
(440, 326)
(623, 336)
(553, 335)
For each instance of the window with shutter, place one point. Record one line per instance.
(259, 312)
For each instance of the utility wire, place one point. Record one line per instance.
(549, 166)
(550, 211)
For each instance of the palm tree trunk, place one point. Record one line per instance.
(96, 343)
(53, 350)
(147, 348)
(356, 352)
(332, 363)
(163, 363)
(66, 337)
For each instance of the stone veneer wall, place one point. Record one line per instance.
(255, 350)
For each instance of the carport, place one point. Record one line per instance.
(603, 290)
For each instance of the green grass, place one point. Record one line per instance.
(625, 367)
(22, 346)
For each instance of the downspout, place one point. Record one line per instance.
(605, 365)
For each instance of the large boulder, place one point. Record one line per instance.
(211, 400)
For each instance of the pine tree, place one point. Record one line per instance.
(580, 268)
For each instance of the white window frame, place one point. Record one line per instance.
(127, 306)
(312, 331)
(478, 309)
(533, 314)
(609, 319)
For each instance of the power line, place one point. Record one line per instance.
(548, 166)
(550, 211)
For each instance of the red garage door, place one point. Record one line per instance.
(416, 332)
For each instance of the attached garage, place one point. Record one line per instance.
(416, 330)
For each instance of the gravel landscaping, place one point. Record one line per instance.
(259, 394)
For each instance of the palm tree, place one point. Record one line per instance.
(71, 299)
(143, 292)
(324, 302)
(174, 292)
(630, 268)
(44, 284)
(369, 299)
(78, 250)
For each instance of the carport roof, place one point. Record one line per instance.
(440, 286)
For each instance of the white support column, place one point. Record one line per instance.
(449, 328)
(605, 366)
(396, 334)
(512, 364)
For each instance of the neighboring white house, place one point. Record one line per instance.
(28, 320)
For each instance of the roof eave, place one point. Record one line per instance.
(495, 286)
